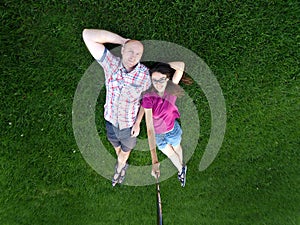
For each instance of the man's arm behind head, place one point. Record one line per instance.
(95, 40)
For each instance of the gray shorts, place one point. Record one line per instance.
(120, 138)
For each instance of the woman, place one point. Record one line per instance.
(161, 113)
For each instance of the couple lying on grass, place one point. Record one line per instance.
(127, 81)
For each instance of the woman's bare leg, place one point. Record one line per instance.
(173, 156)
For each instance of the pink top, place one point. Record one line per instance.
(164, 111)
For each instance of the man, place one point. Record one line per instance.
(125, 79)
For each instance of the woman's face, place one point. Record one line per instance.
(159, 82)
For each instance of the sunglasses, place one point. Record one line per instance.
(161, 80)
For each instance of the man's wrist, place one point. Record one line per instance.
(137, 123)
(125, 40)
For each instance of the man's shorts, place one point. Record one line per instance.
(120, 138)
(173, 137)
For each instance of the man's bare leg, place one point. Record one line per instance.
(121, 166)
(122, 159)
(118, 150)
(122, 162)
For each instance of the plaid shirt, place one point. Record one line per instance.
(123, 90)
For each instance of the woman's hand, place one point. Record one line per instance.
(155, 170)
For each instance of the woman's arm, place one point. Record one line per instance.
(151, 142)
(179, 67)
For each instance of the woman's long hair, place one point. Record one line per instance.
(171, 88)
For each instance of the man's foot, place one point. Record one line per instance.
(182, 175)
(122, 174)
(116, 176)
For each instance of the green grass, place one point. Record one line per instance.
(252, 49)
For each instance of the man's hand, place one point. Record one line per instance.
(155, 170)
(125, 40)
(135, 130)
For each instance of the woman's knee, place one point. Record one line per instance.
(168, 150)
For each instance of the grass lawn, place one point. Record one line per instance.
(252, 47)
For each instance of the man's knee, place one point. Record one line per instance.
(123, 156)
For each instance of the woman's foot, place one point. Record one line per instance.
(182, 175)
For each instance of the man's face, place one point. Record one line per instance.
(131, 54)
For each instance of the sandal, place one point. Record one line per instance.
(123, 173)
(182, 176)
(116, 176)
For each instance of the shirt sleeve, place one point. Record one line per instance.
(109, 62)
(103, 56)
(147, 102)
